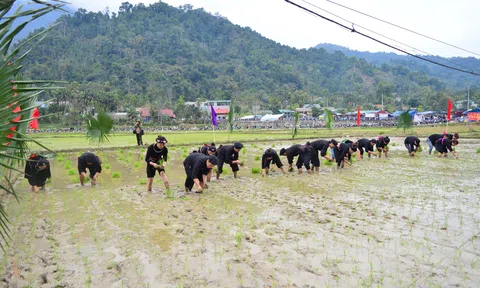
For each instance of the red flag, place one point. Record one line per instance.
(449, 110)
(34, 122)
(358, 117)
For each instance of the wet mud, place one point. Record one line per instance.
(390, 222)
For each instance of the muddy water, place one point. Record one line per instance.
(391, 222)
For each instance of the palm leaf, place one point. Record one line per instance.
(294, 128)
(405, 121)
(16, 93)
(99, 129)
(230, 117)
(328, 119)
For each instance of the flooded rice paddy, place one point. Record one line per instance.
(390, 222)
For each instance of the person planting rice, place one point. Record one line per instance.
(304, 153)
(319, 146)
(91, 162)
(412, 144)
(156, 158)
(444, 145)
(353, 148)
(332, 148)
(343, 152)
(269, 156)
(229, 154)
(198, 168)
(368, 146)
(432, 139)
(207, 149)
(37, 171)
(382, 146)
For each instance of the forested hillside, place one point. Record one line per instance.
(155, 54)
(454, 80)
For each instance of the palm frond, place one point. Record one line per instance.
(405, 121)
(99, 129)
(294, 129)
(328, 119)
(17, 96)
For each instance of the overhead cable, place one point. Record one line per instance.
(389, 38)
(403, 28)
(379, 41)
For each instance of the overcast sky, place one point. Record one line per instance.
(454, 22)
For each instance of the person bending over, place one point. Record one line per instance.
(91, 162)
(37, 171)
(197, 168)
(412, 144)
(229, 154)
(268, 157)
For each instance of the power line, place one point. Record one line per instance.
(381, 42)
(403, 28)
(391, 39)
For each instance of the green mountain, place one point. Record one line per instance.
(454, 80)
(156, 54)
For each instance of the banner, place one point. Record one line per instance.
(474, 116)
(449, 109)
(34, 122)
(214, 116)
(358, 117)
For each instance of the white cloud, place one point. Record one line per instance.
(454, 22)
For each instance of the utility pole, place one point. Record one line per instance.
(382, 101)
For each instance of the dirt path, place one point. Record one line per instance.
(391, 222)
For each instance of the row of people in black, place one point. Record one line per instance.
(199, 165)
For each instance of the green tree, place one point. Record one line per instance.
(132, 115)
(121, 63)
(316, 111)
(17, 95)
(405, 121)
(180, 107)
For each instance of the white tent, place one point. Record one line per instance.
(249, 117)
(270, 117)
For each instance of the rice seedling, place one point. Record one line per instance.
(244, 150)
(256, 170)
(107, 166)
(71, 172)
(60, 159)
(68, 164)
(137, 164)
(257, 158)
(478, 150)
(169, 193)
(115, 174)
(238, 239)
(143, 181)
